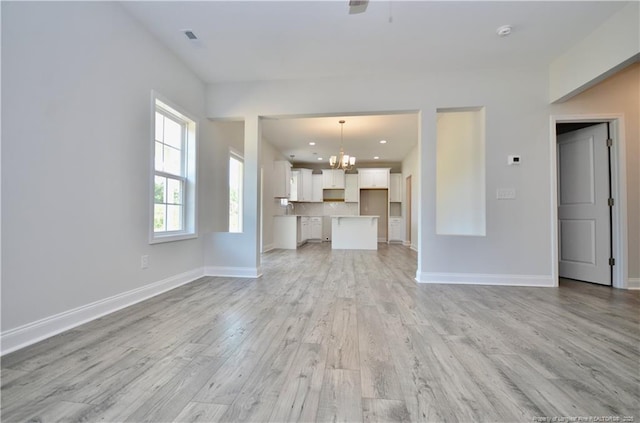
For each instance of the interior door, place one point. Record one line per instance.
(583, 210)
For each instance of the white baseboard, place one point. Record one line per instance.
(633, 283)
(483, 279)
(233, 272)
(20, 337)
(406, 243)
(414, 247)
(267, 248)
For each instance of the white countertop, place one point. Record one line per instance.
(297, 215)
(351, 215)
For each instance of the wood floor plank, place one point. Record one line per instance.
(377, 371)
(343, 344)
(300, 396)
(382, 410)
(59, 411)
(198, 412)
(340, 398)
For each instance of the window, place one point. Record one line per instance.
(236, 167)
(173, 211)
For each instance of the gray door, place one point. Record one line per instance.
(583, 209)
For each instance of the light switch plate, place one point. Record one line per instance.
(506, 193)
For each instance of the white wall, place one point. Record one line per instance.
(76, 121)
(517, 123)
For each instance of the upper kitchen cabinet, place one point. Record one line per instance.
(281, 179)
(316, 188)
(373, 178)
(395, 188)
(301, 185)
(332, 178)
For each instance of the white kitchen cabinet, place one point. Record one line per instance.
(395, 188)
(316, 228)
(294, 191)
(316, 188)
(304, 229)
(373, 178)
(332, 178)
(396, 229)
(351, 193)
(281, 179)
(301, 185)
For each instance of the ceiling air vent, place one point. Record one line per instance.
(190, 35)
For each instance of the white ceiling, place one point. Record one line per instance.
(264, 40)
(362, 136)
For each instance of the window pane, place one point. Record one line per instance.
(172, 133)
(174, 191)
(159, 126)
(160, 189)
(174, 218)
(172, 160)
(159, 220)
(158, 157)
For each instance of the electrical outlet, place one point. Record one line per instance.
(144, 262)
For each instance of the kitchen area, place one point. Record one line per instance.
(356, 209)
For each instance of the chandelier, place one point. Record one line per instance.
(342, 161)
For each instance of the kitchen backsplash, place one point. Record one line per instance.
(326, 209)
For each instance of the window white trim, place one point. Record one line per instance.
(190, 209)
(236, 155)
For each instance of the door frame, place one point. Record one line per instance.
(407, 205)
(618, 190)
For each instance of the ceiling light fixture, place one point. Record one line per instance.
(376, 158)
(312, 143)
(383, 141)
(342, 161)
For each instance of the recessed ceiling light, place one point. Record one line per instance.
(312, 143)
(376, 158)
(383, 141)
(320, 158)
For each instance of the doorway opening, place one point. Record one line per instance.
(588, 210)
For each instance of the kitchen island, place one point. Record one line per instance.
(354, 232)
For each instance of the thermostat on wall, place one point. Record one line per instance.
(513, 160)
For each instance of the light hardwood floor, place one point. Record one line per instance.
(339, 336)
